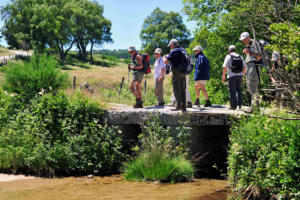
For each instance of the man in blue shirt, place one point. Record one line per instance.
(177, 60)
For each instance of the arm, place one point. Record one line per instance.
(224, 74)
(166, 61)
(163, 70)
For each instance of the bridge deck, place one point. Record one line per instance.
(216, 115)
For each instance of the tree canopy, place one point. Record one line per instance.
(160, 27)
(55, 24)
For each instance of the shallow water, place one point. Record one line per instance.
(113, 187)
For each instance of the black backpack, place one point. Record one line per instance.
(188, 64)
(236, 64)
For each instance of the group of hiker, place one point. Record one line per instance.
(181, 65)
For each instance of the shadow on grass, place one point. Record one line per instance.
(102, 63)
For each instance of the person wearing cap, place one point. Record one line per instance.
(253, 59)
(159, 75)
(201, 75)
(275, 64)
(177, 60)
(234, 76)
(136, 66)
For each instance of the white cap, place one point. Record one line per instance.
(231, 47)
(244, 35)
(198, 48)
(158, 50)
(275, 56)
(131, 48)
(173, 41)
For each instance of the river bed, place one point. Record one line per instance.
(110, 188)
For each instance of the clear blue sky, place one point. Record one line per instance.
(127, 17)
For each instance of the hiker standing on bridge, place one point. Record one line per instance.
(253, 59)
(136, 66)
(235, 67)
(201, 75)
(159, 75)
(178, 61)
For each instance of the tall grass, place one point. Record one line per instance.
(160, 156)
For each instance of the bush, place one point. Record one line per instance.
(264, 158)
(161, 157)
(40, 74)
(60, 136)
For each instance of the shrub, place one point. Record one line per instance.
(27, 79)
(264, 158)
(60, 136)
(161, 156)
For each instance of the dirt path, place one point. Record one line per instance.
(114, 187)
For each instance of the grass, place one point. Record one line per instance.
(4, 51)
(106, 79)
(158, 167)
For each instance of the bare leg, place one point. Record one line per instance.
(203, 88)
(197, 86)
(132, 88)
(138, 90)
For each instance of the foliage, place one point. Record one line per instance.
(59, 136)
(161, 155)
(55, 24)
(221, 23)
(160, 27)
(264, 158)
(39, 75)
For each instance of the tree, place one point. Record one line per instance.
(221, 22)
(55, 24)
(160, 27)
(90, 26)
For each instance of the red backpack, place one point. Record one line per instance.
(146, 63)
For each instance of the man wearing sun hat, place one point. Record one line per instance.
(253, 59)
(177, 60)
(136, 66)
(235, 67)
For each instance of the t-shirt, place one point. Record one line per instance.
(158, 66)
(176, 57)
(227, 63)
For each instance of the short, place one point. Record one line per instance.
(137, 76)
(201, 81)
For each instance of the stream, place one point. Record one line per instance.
(110, 188)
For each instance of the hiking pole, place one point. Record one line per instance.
(121, 85)
(128, 73)
(145, 85)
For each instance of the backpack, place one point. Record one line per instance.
(266, 58)
(188, 64)
(236, 64)
(145, 59)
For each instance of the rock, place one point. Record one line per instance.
(90, 176)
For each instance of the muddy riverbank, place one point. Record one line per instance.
(113, 187)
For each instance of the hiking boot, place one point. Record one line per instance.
(207, 103)
(189, 105)
(160, 104)
(197, 102)
(138, 104)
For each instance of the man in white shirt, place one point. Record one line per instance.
(235, 67)
(159, 74)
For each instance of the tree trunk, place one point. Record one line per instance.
(91, 52)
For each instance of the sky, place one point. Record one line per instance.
(127, 17)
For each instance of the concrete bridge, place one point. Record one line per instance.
(209, 128)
